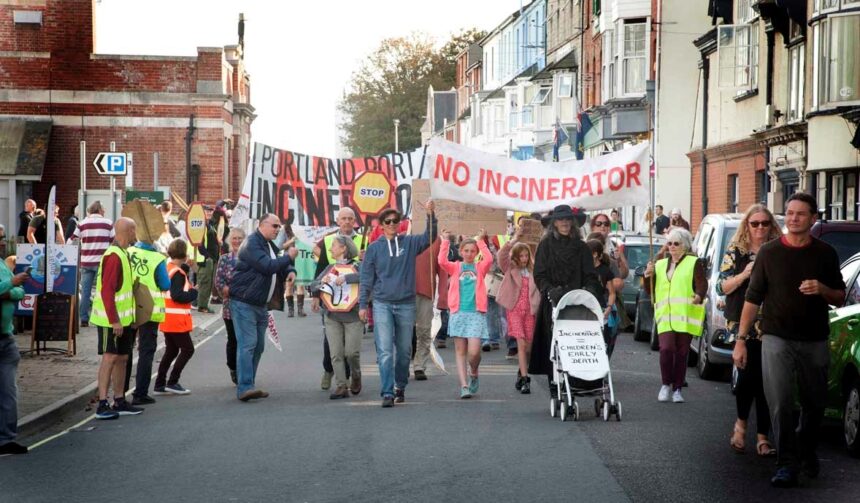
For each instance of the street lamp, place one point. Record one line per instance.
(396, 135)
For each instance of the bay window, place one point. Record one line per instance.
(634, 58)
(836, 67)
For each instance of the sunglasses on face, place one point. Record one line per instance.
(276, 226)
(602, 223)
(755, 223)
(673, 243)
(391, 221)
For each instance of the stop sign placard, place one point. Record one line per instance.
(195, 224)
(371, 192)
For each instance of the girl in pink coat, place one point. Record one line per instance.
(467, 302)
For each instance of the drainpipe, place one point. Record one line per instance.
(705, 79)
(189, 137)
(765, 189)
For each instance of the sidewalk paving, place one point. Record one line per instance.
(49, 385)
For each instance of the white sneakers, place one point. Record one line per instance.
(666, 392)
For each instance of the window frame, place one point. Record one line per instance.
(540, 95)
(734, 193)
(796, 83)
(744, 56)
(561, 85)
(624, 58)
(824, 61)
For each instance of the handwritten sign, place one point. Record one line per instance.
(458, 218)
(532, 232)
(581, 349)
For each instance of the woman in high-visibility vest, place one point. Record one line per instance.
(177, 324)
(680, 287)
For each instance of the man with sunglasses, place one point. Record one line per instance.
(257, 283)
(388, 275)
(795, 279)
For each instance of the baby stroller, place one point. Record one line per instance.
(579, 362)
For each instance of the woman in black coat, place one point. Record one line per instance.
(563, 263)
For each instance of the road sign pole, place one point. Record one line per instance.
(155, 171)
(113, 187)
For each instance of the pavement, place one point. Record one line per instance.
(298, 445)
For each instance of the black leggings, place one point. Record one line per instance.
(750, 387)
(179, 348)
(231, 344)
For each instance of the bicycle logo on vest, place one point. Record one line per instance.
(139, 265)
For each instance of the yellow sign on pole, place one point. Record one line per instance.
(195, 224)
(371, 192)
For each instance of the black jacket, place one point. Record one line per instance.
(254, 269)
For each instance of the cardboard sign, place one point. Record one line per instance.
(532, 231)
(195, 224)
(458, 218)
(581, 350)
(339, 298)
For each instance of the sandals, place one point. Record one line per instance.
(737, 441)
(765, 449)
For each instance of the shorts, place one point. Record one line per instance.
(122, 345)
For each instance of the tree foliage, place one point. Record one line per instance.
(392, 83)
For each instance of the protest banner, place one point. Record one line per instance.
(456, 217)
(62, 271)
(308, 191)
(462, 174)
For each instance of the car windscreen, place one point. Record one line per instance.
(845, 243)
(637, 255)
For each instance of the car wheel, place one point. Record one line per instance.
(655, 341)
(707, 370)
(851, 418)
(638, 335)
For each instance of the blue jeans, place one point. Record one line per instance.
(250, 323)
(88, 277)
(9, 357)
(393, 331)
(494, 322)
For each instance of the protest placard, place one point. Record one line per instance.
(532, 231)
(457, 218)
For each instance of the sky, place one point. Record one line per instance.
(300, 54)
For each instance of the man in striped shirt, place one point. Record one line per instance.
(95, 234)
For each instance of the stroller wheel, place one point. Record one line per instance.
(575, 411)
(606, 411)
(553, 407)
(618, 410)
(597, 407)
(565, 409)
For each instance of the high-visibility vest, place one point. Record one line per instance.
(124, 297)
(177, 317)
(503, 239)
(357, 238)
(674, 309)
(143, 266)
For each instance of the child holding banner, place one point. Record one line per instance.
(467, 302)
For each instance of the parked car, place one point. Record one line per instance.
(636, 251)
(712, 352)
(842, 235)
(843, 383)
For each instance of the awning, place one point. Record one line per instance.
(567, 62)
(23, 146)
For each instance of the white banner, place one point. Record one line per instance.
(462, 174)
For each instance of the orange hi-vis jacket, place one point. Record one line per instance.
(177, 318)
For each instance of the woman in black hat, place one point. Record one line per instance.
(563, 262)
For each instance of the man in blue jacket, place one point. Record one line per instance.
(388, 275)
(257, 285)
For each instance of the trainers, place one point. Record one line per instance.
(399, 395)
(160, 390)
(177, 389)
(676, 397)
(142, 400)
(527, 387)
(262, 394)
(465, 393)
(355, 384)
(251, 393)
(519, 383)
(234, 377)
(85, 324)
(325, 384)
(12, 448)
(473, 384)
(340, 392)
(665, 392)
(387, 401)
(495, 346)
(441, 344)
(486, 347)
(512, 354)
(420, 375)
(123, 408)
(105, 411)
(784, 477)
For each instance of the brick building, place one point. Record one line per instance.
(61, 103)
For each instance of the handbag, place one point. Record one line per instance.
(494, 283)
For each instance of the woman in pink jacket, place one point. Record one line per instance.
(467, 301)
(520, 297)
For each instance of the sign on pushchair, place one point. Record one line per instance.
(581, 350)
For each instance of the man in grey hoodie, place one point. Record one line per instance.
(388, 276)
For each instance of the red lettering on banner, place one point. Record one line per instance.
(552, 188)
(494, 182)
(568, 188)
(443, 167)
(612, 172)
(599, 176)
(508, 180)
(461, 168)
(585, 186)
(633, 170)
(536, 189)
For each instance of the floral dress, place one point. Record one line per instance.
(521, 321)
(734, 262)
(223, 275)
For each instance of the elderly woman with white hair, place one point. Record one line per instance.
(680, 285)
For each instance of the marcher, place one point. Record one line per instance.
(25, 217)
(71, 223)
(601, 225)
(520, 297)
(756, 228)
(37, 233)
(346, 227)
(149, 267)
(607, 294)
(661, 221)
(562, 263)
(343, 328)
(95, 234)
(442, 304)
(177, 324)
(615, 224)
(425, 288)
(388, 274)
(10, 293)
(256, 286)
(795, 279)
(676, 220)
(113, 315)
(223, 276)
(207, 256)
(680, 285)
(467, 302)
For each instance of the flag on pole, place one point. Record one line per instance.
(559, 136)
(583, 124)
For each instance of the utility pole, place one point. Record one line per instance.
(189, 137)
(397, 135)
